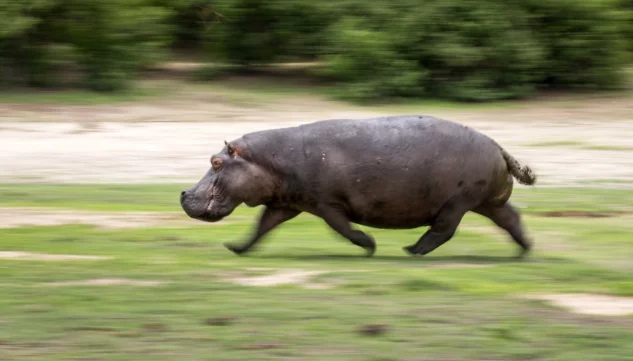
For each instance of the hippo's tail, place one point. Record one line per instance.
(524, 174)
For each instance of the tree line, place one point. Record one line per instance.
(457, 49)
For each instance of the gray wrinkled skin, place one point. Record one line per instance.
(396, 172)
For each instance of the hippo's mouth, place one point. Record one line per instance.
(211, 199)
(213, 211)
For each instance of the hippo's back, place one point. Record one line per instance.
(397, 172)
(395, 146)
(415, 132)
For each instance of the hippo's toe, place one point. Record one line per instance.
(410, 250)
(235, 248)
(522, 253)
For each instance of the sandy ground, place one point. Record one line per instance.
(590, 304)
(171, 140)
(280, 277)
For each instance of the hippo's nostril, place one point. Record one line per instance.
(183, 194)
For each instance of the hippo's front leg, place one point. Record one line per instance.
(339, 222)
(270, 218)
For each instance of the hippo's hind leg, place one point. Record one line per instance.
(339, 222)
(270, 218)
(508, 218)
(442, 229)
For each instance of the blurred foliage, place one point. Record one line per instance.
(468, 50)
(369, 66)
(114, 37)
(106, 40)
(473, 50)
(263, 31)
(583, 40)
(627, 5)
(485, 50)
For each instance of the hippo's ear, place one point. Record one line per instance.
(230, 149)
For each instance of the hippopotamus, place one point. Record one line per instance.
(396, 172)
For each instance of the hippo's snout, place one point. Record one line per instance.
(193, 206)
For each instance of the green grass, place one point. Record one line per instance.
(165, 197)
(610, 147)
(559, 143)
(430, 312)
(265, 88)
(142, 90)
(89, 197)
(581, 145)
(241, 90)
(260, 90)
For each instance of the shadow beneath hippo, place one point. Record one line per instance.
(431, 260)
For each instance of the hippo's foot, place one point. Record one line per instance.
(411, 250)
(523, 253)
(235, 248)
(370, 251)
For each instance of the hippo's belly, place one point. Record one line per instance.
(401, 213)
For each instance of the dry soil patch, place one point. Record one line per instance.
(454, 265)
(590, 304)
(278, 278)
(30, 256)
(170, 140)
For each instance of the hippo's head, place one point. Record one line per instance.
(232, 180)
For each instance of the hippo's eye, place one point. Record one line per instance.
(216, 163)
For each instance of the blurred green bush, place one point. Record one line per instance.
(484, 50)
(461, 49)
(264, 31)
(105, 40)
(472, 50)
(368, 66)
(584, 41)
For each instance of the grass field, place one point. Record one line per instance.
(80, 97)
(462, 302)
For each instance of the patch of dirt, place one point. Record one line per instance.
(589, 304)
(170, 139)
(22, 217)
(220, 321)
(278, 278)
(155, 327)
(457, 265)
(270, 277)
(106, 282)
(261, 346)
(581, 214)
(29, 256)
(375, 329)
